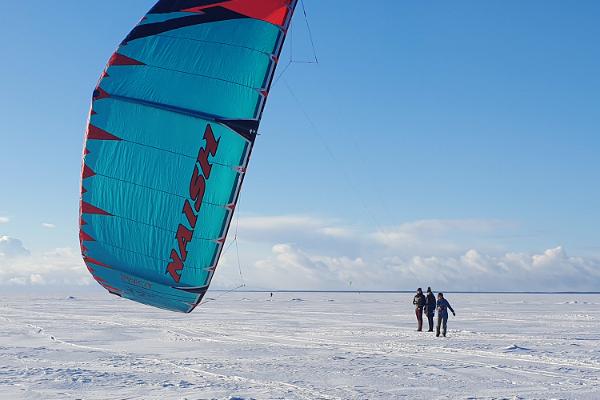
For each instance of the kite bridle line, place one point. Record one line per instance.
(291, 59)
(353, 186)
(351, 183)
(237, 250)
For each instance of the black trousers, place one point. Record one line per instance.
(430, 320)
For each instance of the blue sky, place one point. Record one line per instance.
(475, 124)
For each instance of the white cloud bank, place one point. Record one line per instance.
(48, 225)
(290, 267)
(304, 252)
(4, 220)
(18, 267)
(309, 253)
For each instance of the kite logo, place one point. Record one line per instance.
(192, 205)
(136, 282)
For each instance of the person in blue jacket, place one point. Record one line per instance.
(430, 305)
(442, 314)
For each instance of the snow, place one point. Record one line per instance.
(300, 346)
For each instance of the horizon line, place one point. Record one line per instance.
(400, 291)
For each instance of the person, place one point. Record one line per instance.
(442, 314)
(419, 303)
(430, 305)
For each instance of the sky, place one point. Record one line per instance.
(452, 144)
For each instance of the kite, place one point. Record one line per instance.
(172, 124)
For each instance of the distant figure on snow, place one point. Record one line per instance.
(419, 303)
(442, 314)
(430, 305)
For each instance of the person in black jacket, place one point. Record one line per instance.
(419, 303)
(430, 305)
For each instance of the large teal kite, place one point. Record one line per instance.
(171, 128)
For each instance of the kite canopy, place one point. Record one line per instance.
(171, 129)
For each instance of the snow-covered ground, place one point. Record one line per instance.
(300, 346)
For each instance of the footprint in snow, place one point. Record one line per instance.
(514, 347)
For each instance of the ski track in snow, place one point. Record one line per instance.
(327, 346)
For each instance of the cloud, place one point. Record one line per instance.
(312, 232)
(305, 252)
(447, 254)
(290, 267)
(438, 236)
(291, 226)
(18, 266)
(4, 220)
(12, 248)
(48, 225)
(430, 236)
